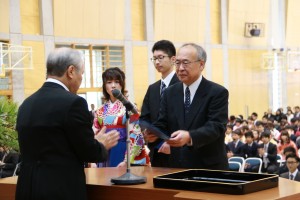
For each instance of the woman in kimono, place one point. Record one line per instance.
(112, 114)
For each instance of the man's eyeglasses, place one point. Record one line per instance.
(291, 162)
(159, 58)
(184, 63)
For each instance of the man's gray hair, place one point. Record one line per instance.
(60, 59)
(201, 53)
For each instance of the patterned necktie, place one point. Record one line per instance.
(291, 177)
(162, 88)
(187, 100)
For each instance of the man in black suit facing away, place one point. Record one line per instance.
(163, 59)
(56, 136)
(195, 114)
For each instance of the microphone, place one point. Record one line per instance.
(128, 105)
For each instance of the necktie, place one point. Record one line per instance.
(162, 88)
(187, 100)
(291, 177)
(265, 159)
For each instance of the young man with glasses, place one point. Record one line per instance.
(292, 163)
(163, 59)
(194, 113)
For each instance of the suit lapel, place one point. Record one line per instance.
(197, 103)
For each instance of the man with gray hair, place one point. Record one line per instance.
(55, 134)
(194, 113)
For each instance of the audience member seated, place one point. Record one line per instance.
(292, 162)
(234, 147)
(268, 153)
(287, 150)
(285, 141)
(291, 131)
(228, 136)
(8, 163)
(249, 150)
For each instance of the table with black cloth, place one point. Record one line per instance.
(99, 187)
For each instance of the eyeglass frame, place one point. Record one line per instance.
(177, 65)
(160, 58)
(291, 162)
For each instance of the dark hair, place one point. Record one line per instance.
(289, 149)
(60, 59)
(237, 131)
(232, 117)
(293, 155)
(114, 73)
(165, 46)
(284, 132)
(249, 134)
(266, 133)
(229, 126)
(258, 123)
(255, 114)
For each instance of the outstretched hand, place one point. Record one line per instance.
(109, 139)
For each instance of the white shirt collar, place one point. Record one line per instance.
(294, 174)
(193, 88)
(52, 80)
(168, 79)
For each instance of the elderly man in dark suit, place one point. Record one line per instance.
(163, 59)
(292, 162)
(55, 134)
(195, 113)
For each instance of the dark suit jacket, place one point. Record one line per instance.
(206, 123)
(56, 138)
(247, 151)
(286, 175)
(10, 160)
(236, 150)
(149, 113)
(272, 153)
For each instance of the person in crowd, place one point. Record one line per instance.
(250, 123)
(292, 162)
(8, 162)
(228, 134)
(260, 127)
(297, 111)
(112, 114)
(286, 151)
(197, 128)
(269, 114)
(234, 147)
(256, 136)
(1, 151)
(231, 120)
(163, 59)
(268, 153)
(274, 132)
(55, 134)
(289, 115)
(291, 131)
(92, 112)
(254, 116)
(285, 141)
(278, 115)
(238, 124)
(249, 149)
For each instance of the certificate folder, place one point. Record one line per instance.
(216, 181)
(156, 131)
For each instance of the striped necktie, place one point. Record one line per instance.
(162, 88)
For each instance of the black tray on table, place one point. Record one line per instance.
(216, 181)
